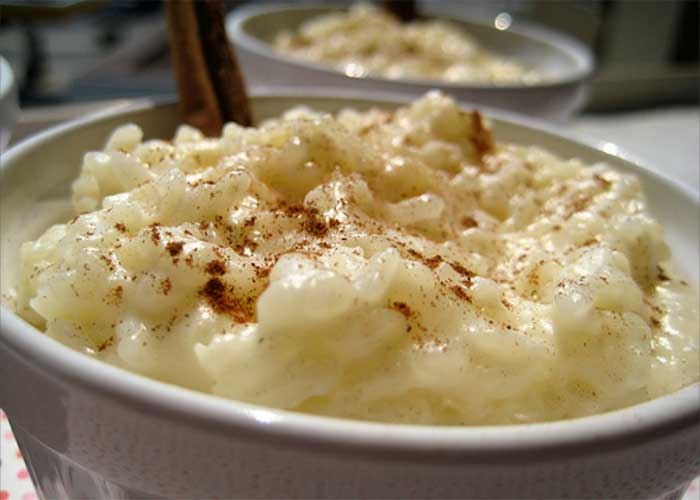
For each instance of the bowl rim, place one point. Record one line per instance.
(7, 78)
(648, 421)
(560, 42)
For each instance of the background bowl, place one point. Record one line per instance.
(90, 430)
(8, 102)
(566, 62)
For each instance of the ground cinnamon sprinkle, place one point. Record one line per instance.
(469, 222)
(223, 302)
(262, 272)
(108, 262)
(602, 180)
(104, 345)
(312, 223)
(403, 308)
(415, 254)
(462, 270)
(165, 286)
(120, 227)
(578, 205)
(457, 290)
(315, 227)
(433, 262)
(174, 247)
(155, 234)
(293, 210)
(115, 296)
(215, 267)
(242, 248)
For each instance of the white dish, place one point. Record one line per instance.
(565, 62)
(90, 430)
(8, 102)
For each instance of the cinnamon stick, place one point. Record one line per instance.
(224, 71)
(405, 10)
(210, 85)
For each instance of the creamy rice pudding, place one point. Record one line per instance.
(401, 266)
(366, 41)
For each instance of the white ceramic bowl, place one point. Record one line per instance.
(566, 62)
(91, 430)
(8, 102)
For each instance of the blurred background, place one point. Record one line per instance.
(73, 56)
(80, 50)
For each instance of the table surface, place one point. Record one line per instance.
(667, 140)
